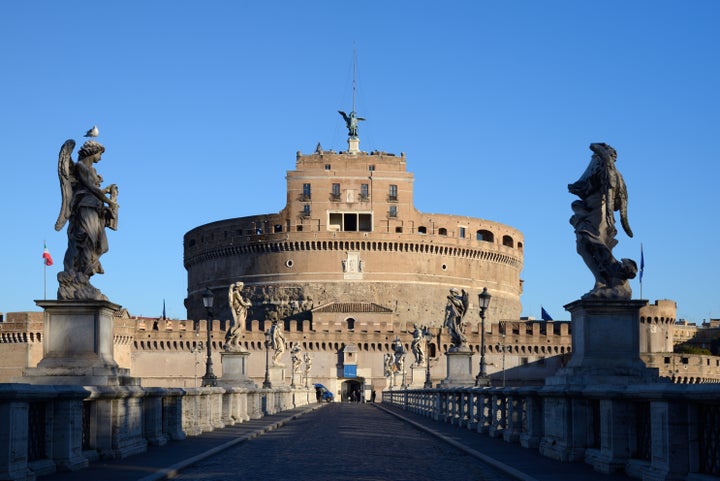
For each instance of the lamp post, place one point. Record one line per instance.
(503, 359)
(483, 303)
(428, 337)
(266, 383)
(209, 379)
(197, 349)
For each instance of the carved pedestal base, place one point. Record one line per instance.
(606, 356)
(277, 376)
(417, 377)
(78, 346)
(234, 370)
(459, 369)
(606, 345)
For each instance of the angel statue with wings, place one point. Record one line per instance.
(457, 305)
(351, 121)
(87, 209)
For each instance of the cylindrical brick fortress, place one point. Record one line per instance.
(349, 233)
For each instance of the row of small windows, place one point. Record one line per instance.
(354, 222)
(335, 192)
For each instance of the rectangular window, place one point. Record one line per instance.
(328, 167)
(335, 192)
(306, 192)
(364, 191)
(306, 210)
(349, 222)
(393, 192)
(371, 167)
(393, 211)
(462, 232)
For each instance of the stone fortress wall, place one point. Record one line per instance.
(171, 353)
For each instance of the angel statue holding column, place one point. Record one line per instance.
(88, 209)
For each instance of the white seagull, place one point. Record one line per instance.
(94, 132)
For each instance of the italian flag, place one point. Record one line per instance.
(46, 256)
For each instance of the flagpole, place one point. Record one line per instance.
(642, 269)
(44, 276)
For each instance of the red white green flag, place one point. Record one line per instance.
(46, 256)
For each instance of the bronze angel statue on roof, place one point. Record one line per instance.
(602, 192)
(351, 121)
(88, 209)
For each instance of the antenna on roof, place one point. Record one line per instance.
(352, 119)
(354, 74)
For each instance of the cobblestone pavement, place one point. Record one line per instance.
(343, 441)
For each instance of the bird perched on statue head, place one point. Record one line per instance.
(94, 132)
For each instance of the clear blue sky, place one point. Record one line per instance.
(202, 106)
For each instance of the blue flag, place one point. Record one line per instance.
(642, 262)
(544, 314)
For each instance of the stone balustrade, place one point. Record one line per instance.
(649, 431)
(46, 428)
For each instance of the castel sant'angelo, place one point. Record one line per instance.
(349, 243)
(350, 259)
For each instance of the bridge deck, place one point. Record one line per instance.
(340, 441)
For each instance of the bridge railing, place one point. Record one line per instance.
(650, 432)
(44, 429)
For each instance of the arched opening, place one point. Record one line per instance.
(352, 390)
(485, 236)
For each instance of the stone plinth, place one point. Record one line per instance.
(277, 375)
(459, 369)
(234, 370)
(353, 145)
(78, 347)
(417, 377)
(606, 357)
(605, 344)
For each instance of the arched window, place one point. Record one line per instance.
(422, 230)
(442, 231)
(485, 236)
(350, 323)
(507, 241)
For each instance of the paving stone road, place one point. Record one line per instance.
(343, 441)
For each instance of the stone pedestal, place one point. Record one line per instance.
(606, 344)
(353, 145)
(417, 377)
(459, 369)
(78, 347)
(234, 370)
(605, 357)
(277, 376)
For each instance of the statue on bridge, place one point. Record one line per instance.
(455, 309)
(388, 363)
(239, 308)
(602, 192)
(88, 209)
(398, 356)
(417, 346)
(277, 342)
(295, 356)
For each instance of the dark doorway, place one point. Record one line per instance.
(352, 391)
